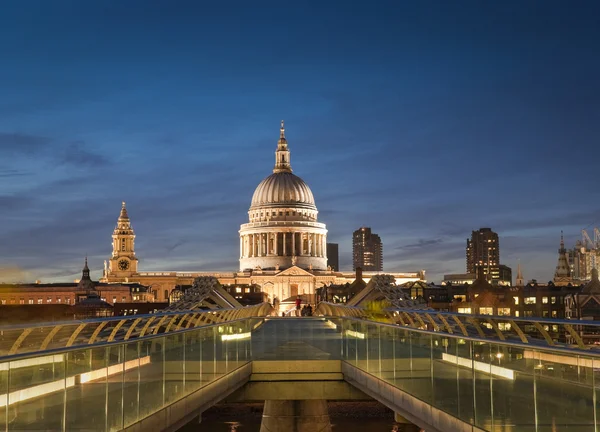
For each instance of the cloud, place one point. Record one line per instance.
(11, 172)
(77, 155)
(14, 146)
(421, 244)
(18, 143)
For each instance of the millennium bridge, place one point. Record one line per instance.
(439, 371)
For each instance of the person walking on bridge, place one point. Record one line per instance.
(298, 305)
(276, 306)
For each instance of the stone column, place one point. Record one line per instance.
(241, 246)
(295, 415)
(293, 244)
(321, 245)
(284, 247)
(276, 235)
(250, 246)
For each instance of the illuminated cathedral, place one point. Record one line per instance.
(282, 247)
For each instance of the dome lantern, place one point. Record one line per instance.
(282, 154)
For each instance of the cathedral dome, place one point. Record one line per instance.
(283, 189)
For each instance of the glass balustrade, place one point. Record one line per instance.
(493, 385)
(112, 386)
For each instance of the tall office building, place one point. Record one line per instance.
(483, 250)
(333, 256)
(367, 250)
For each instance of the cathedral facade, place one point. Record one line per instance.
(282, 247)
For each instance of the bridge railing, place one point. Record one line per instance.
(536, 331)
(111, 385)
(492, 384)
(53, 335)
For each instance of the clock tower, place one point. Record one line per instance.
(123, 262)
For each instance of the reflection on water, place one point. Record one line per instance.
(361, 425)
(364, 416)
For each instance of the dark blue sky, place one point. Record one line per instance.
(424, 120)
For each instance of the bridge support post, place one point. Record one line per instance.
(407, 426)
(295, 415)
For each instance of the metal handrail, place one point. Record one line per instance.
(485, 326)
(48, 336)
(553, 349)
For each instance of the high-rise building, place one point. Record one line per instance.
(333, 256)
(483, 250)
(367, 250)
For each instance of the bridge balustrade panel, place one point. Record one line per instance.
(494, 386)
(112, 386)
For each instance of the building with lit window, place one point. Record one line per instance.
(483, 250)
(367, 250)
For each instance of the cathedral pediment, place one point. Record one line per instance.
(294, 271)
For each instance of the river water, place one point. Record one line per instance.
(254, 426)
(345, 417)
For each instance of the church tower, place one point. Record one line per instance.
(520, 279)
(562, 274)
(123, 262)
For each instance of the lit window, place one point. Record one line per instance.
(553, 300)
(22, 301)
(554, 314)
(59, 300)
(516, 313)
(40, 301)
(3, 301)
(545, 314)
(30, 301)
(504, 311)
(238, 290)
(545, 300)
(68, 300)
(486, 311)
(504, 326)
(529, 300)
(49, 300)
(516, 299)
(114, 299)
(247, 290)
(464, 310)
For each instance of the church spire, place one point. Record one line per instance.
(282, 155)
(562, 274)
(520, 280)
